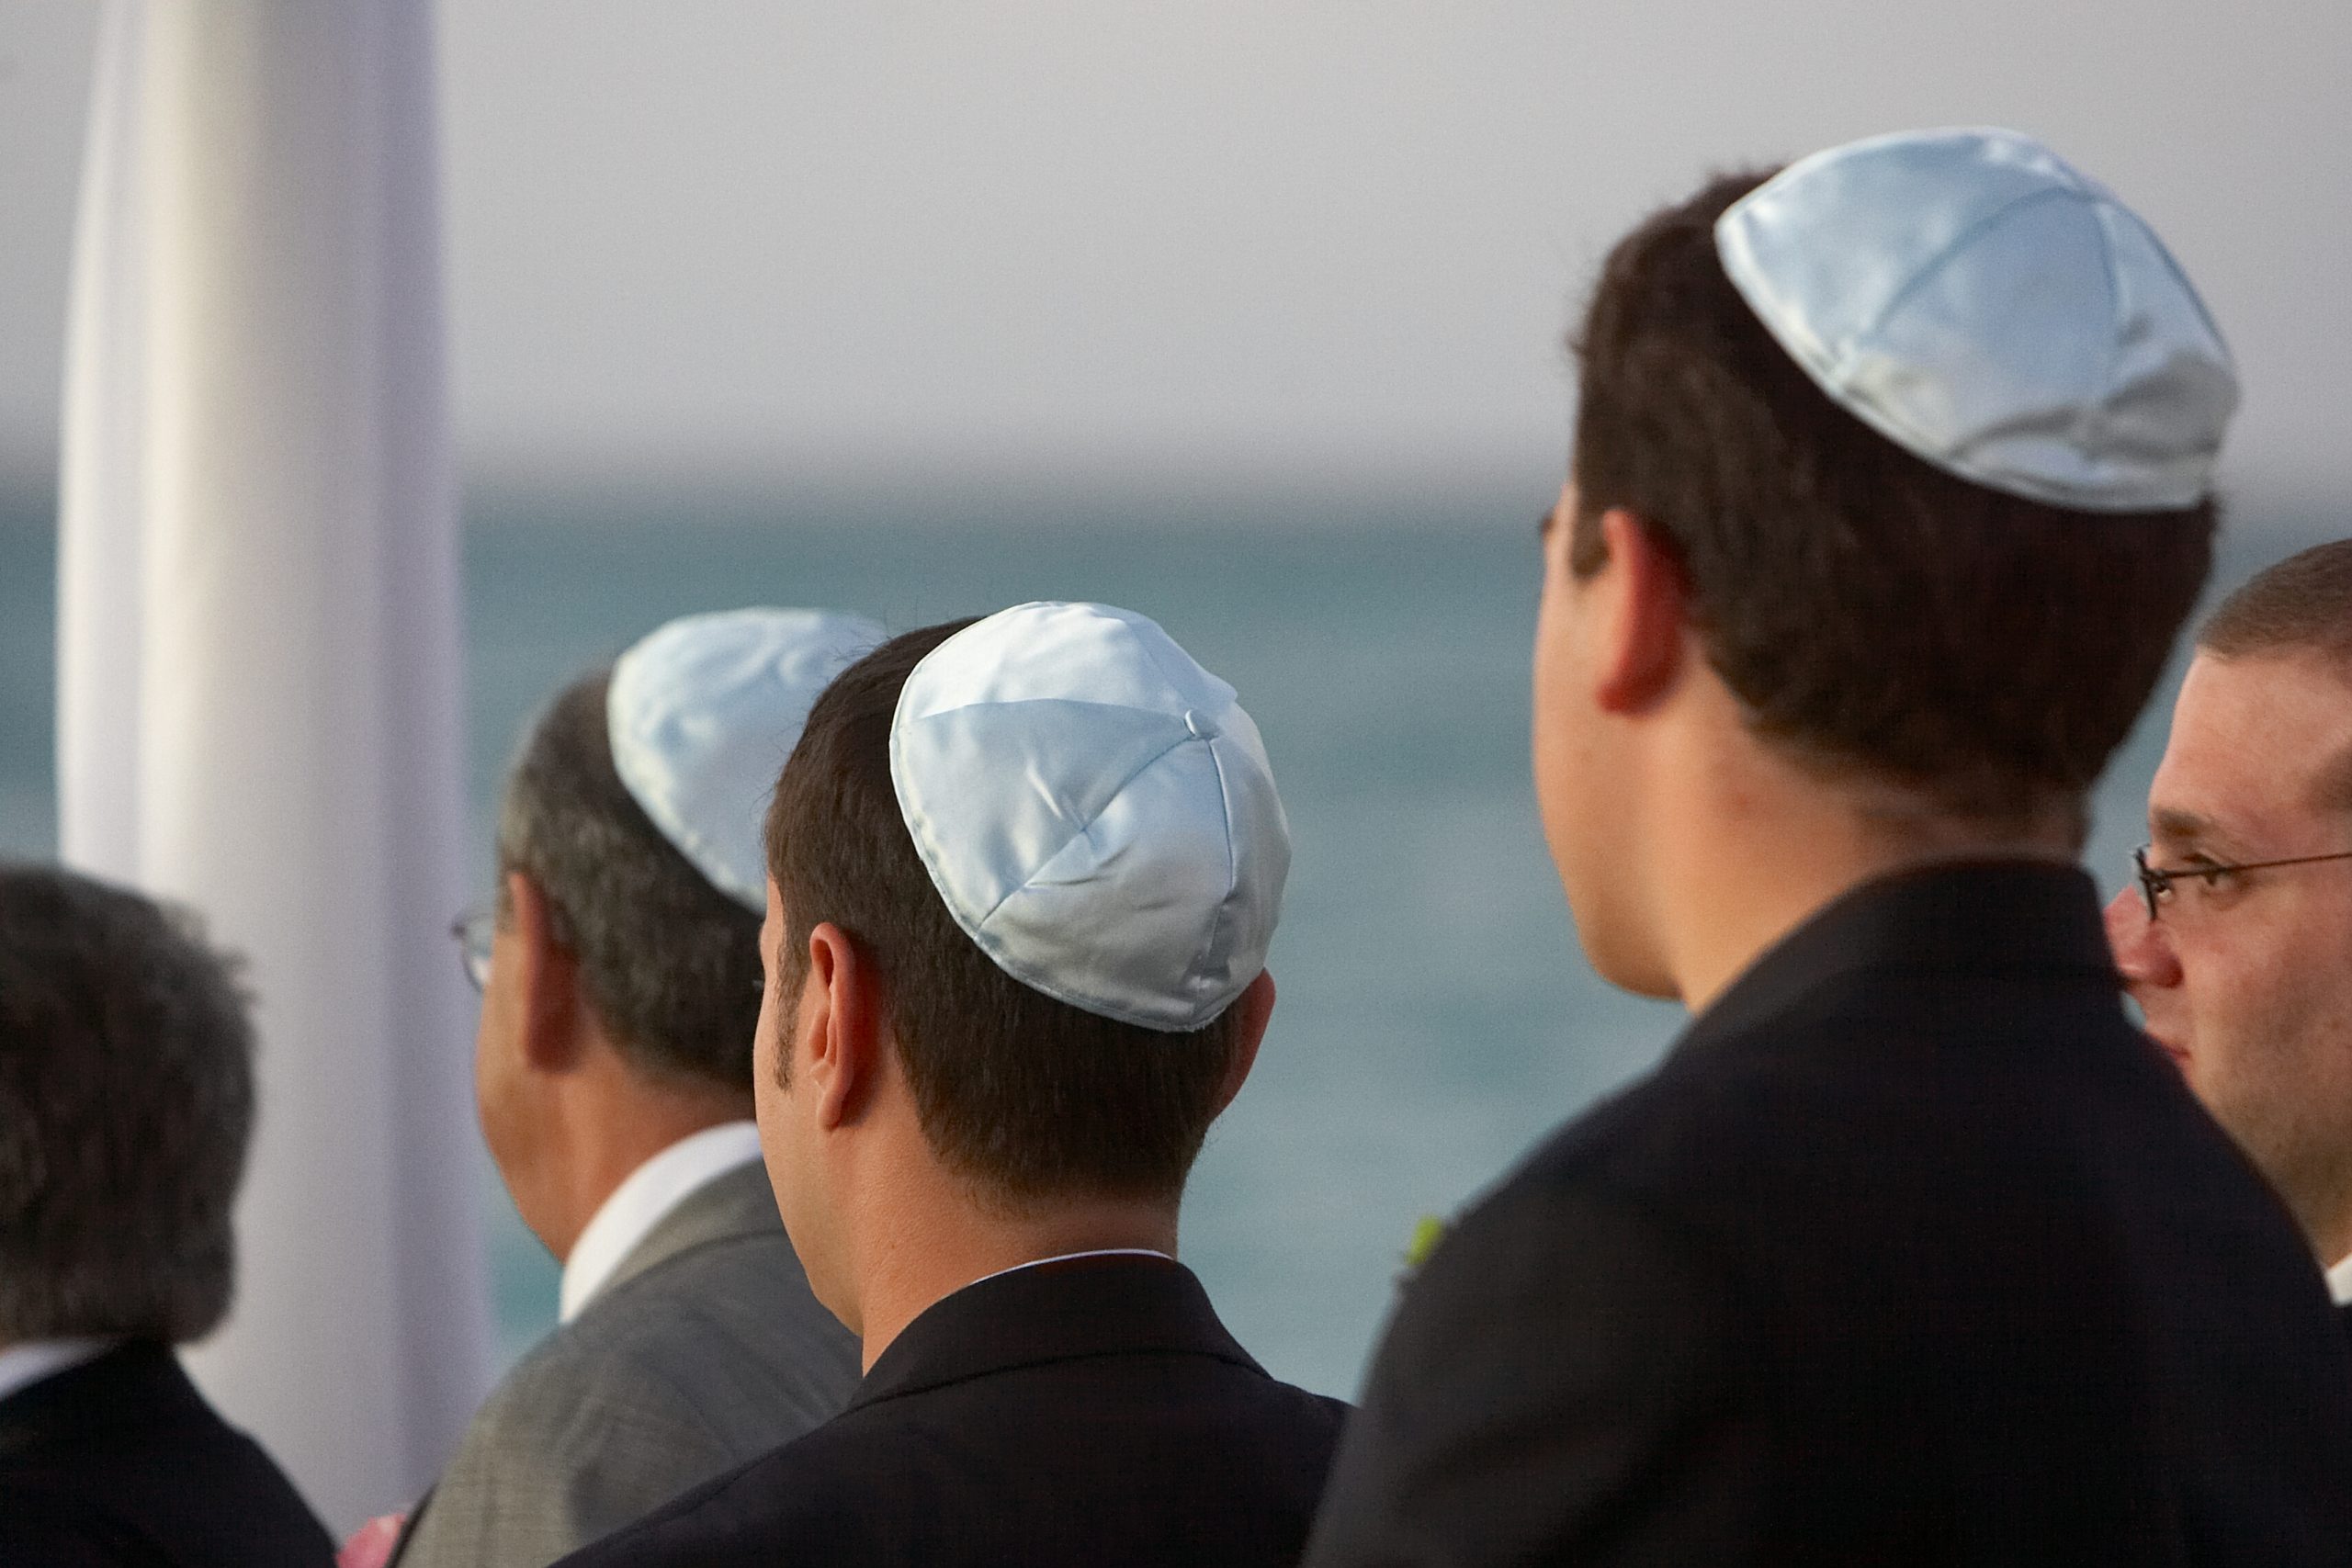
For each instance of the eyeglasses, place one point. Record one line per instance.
(473, 931)
(2155, 882)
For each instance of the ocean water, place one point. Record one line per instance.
(1435, 1016)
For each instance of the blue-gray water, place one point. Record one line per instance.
(1434, 1015)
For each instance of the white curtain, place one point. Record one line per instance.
(258, 702)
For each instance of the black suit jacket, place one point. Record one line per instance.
(119, 1460)
(1913, 1251)
(1086, 1412)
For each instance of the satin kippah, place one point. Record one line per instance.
(1096, 811)
(702, 715)
(1975, 299)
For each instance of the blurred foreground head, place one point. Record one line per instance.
(1024, 873)
(622, 977)
(126, 1102)
(2245, 975)
(1890, 489)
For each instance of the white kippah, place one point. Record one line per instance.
(702, 715)
(1973, 298)
(1095, 810)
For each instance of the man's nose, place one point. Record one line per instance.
(2140, 950)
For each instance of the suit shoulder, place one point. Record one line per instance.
(757, 1268)
(737, 1309)
(749, 1289)
(647, 1363)
(1559, 1241)
(58, 1531)
(1541, 1373)
(607, 1417)
(1628, 1142)
(147, 1459)
(1310, 1415)
(814, 1493)
(191, 1505)
(1847, 1066)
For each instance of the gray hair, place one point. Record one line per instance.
(670, 965)
(126, 1104)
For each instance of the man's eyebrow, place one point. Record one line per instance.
(2335, 781)
(2174, 826)
(1544, 523)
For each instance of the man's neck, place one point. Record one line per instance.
(611, 1126)
(928, 1250)
(2324, 1210)
(1744, 873)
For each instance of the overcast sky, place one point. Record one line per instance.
(773, 235)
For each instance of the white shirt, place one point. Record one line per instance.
(642, 1202)
(2339, 1282)
(21, 1366)
(1066, 1257)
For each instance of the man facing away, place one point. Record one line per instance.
(1892, 486)
(614, 1069)
(2237, 941)
(1024, 875)
(125, 1103)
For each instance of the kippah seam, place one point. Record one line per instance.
(692, 844)
(2172, 267)
(1095, 1005)
(927, 851)
(630, 736)
(1117, 790)
(1028, 974)
(1232, 871)
(1817, 366)
(1169, 1007)
(2084, 430)
(1928, 270)
(1177, 680)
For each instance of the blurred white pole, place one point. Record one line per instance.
(259, 680)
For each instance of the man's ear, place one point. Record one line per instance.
(842, 1043)
(1251, 1009)
(545, 973)
(1642, 617)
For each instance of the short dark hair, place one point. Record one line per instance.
(2299, 605)
(670, 965)
(2302, 604)
(1027, 1095)
(126, 1104)
(1874, 616)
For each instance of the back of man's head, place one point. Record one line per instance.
(1877, 617)
(668, 962)
(2301, 606)
(126, 1099)
(1027, 1095)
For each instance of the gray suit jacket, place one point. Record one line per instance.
(704, 1352)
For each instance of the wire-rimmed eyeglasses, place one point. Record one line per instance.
(473, 931)
(2155, 882)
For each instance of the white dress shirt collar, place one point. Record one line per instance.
(643, 1201)
(1066, 1257)
(2339, 1282)
(21, 1366)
